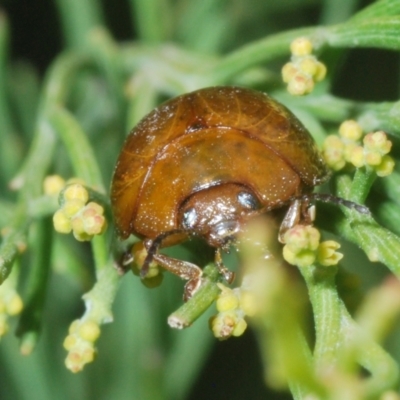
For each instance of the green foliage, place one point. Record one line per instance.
(73, 123)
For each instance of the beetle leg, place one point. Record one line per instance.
(184, 269)
(229, 276)
(292, 218)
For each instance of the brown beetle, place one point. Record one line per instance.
(204, 163)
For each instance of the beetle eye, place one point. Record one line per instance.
(189, 218)
(248, 200)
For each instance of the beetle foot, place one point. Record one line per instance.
(191, 287)
(229, 276)
(123, 264)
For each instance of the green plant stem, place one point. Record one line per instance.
(153, 19)
(327, 313)
(104, 52)
(388, 215)
(79, 17)
(377, 9)
(300, 387)
(185, 315)
(101, 253)
(30, 321)
(390, 185)
(85, 165)
(383, 368)
(78, 147)
(380, 32)
(7, 210)
(55, 92)
(100, 298)
(9, 150)
(24, 92)
(335, 11)
(339, 341)
(204, 26)
(142, 97)
(361, 185)
(14, 241)
(368, 33)
(254, 54)
(30, 178)
(183, 372)
(378, 243)
(280, 337)
(43, 206)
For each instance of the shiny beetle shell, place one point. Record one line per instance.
(209, 138)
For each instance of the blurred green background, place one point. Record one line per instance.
(140, 357)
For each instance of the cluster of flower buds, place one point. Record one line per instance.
(347, 148)
(303, 247)
(304, 70)
(85, 219)
(80, 344)
(10, 303)
(232, 305)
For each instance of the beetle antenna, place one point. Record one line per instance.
(329, 198)
(152, 250)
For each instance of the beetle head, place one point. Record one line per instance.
(218, 213)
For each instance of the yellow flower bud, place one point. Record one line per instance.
(154, 270)
(93, 224)
(139, 253)
(320, 72)
(300, 84)
(349, 149)
(74, 362)
(74, 326)
(308, 65)
(82, 236)
(53, 184)
(76, 192)
(14, 305)
(69, 342)
(377, 141)
(248, 303)
(302, 237)
(4, 327)
(239, 328)
(61, 222)
(385, 168)
(78, 225)
(301, 246)
(154, 280)
(302, 258)
(223, 324)
(327, 254)
(79, 344)
(89, 330)
(351, 130)
(72, 207)
(301, 46)
(357, 157)
(288, 72)
(333, 151)
(97, 208)
(373, 158)
(88, 355)
(227, 300)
